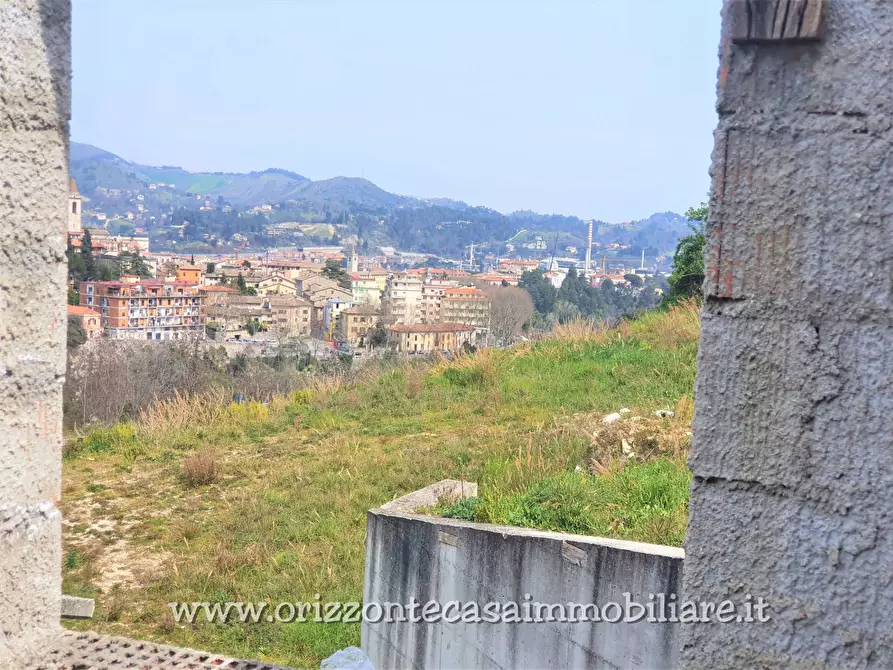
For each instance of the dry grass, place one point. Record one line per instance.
(201, 468)
(288, 519)
(181, 412)
(669, 329)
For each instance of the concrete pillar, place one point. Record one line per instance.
(35, 73)
(792, 497)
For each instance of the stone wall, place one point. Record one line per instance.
(793, 430)
(35, 73)
(429, 558)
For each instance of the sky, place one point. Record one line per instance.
(597, 108)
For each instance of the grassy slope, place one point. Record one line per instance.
(286, 519)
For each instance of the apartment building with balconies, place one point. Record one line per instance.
(402, 300)
(152, 310)
(467, 305)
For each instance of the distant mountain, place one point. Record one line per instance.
(223, 208)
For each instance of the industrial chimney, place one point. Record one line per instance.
(588, 249)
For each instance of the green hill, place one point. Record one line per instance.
(365, 211)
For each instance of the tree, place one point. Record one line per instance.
(76, 335)
(566, 312)
(635, 281)
(254, 326)
(510, 309)
(87, 255)
(108, 272)
(378, 336)
(74, 297)
(243, 287)
(540, 289)
(76, 267)
(334, 271)
(687, 278)
(134, 264)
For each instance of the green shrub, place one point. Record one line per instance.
(299, 398)
(248, 412)
(464, 508)
(121, 437)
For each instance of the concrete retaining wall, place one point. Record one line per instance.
(429, 558)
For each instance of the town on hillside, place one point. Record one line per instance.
(333, 299)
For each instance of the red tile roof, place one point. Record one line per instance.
(465, 290)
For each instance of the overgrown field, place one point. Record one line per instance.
(198, 500)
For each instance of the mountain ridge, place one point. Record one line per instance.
(352, 208)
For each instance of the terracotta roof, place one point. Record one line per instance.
(216, 289)
(79, 310)
(72, 185)
(432, 328)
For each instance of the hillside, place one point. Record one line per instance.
(198, 500)
(219, 205)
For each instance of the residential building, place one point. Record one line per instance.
(448, 273)
(380, 276)
(355, 323)
(403, 299)
(430, 337)
(466, 305)
(497, 279)
(319, 290)
(88, 318)
(331, 311)
(308, 284)
(212, 293)
(103, 242)
(148, 309)
(191, 274)
(517, 266)
(555, 277)
(292, 269)
(280, 317)
(274, 284)
(365, 289)
(432, 296)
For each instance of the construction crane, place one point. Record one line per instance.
(244, 242)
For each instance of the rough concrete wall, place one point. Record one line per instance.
(793, 446)
(35, 74)
(429, 558)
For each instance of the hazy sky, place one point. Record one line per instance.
(599, 108)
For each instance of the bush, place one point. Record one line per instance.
(120, 437)
(299, 398)
(248, 412)
(201, 468)
(465, 509)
